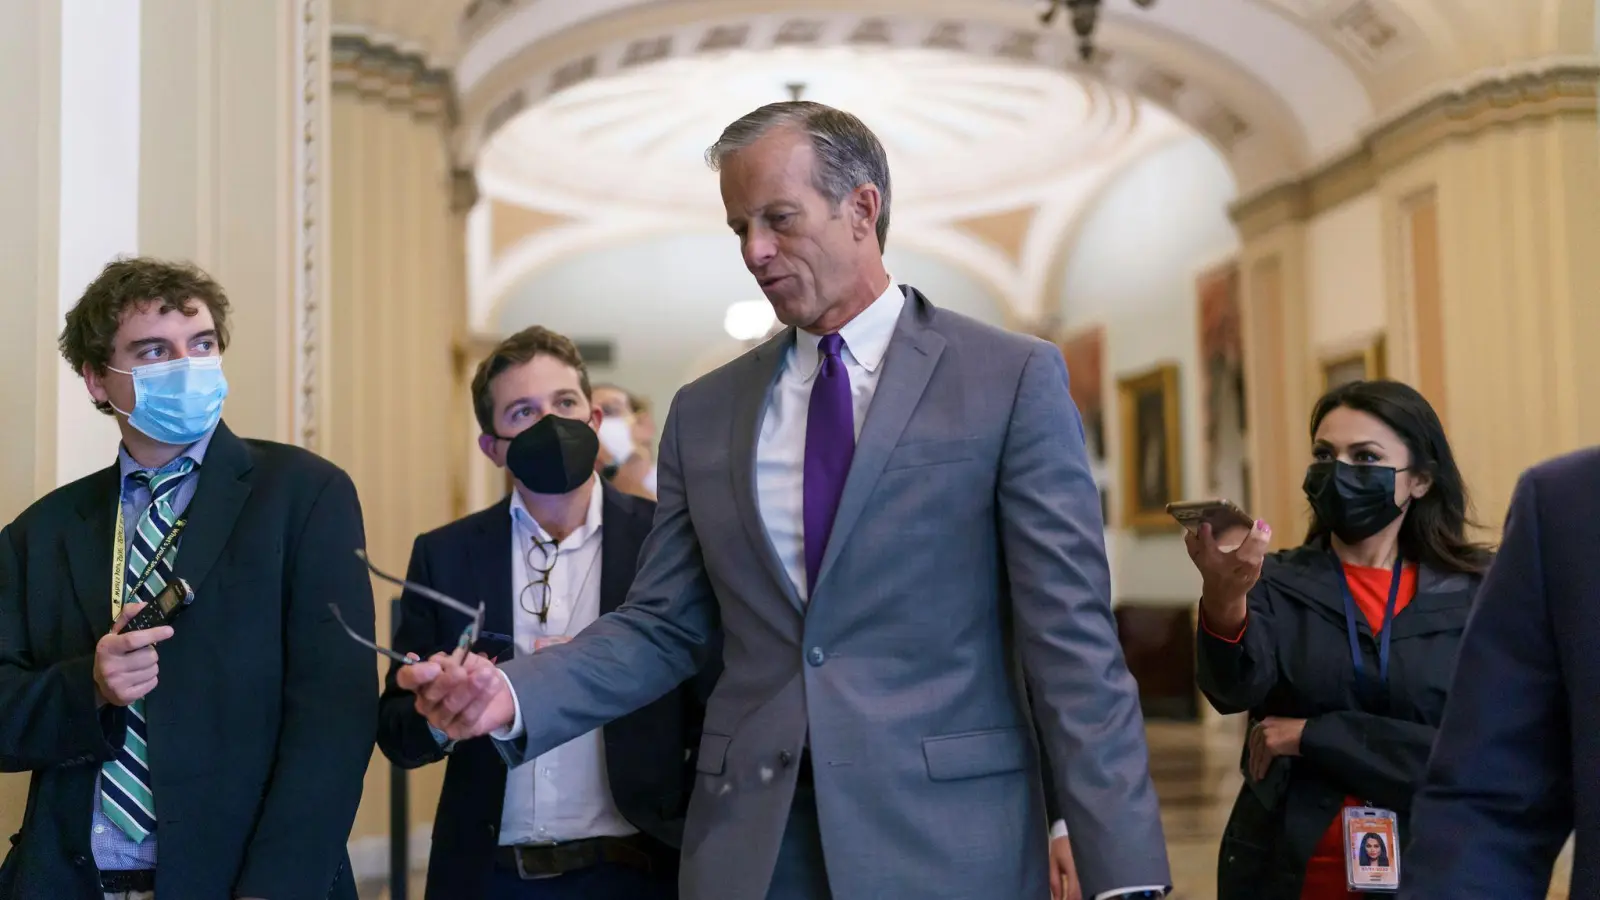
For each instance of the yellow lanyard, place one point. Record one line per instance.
(119, 560)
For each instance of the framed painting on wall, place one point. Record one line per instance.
(1084, 353)
(1365, 363)
(1223, 421)
(1152, 448)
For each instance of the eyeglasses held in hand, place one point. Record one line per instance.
(469, 635)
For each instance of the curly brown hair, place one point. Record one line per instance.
(515, 350)
(89, 338)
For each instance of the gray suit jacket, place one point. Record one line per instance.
(966, 553)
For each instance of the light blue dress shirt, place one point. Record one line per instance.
(114, 851)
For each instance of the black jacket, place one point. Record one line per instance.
(649, 759)
(1294, 662)
(261, 726)
(1517, 766)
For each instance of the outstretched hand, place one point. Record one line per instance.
(1229, 568)
(464, 698)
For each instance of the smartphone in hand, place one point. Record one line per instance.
(1230, 525)
(498, 647)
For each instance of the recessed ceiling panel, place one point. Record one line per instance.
(954, 125)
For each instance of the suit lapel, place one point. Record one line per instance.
(619, 551)
(757, 382)
(908, 365)
(491, 557)
(218, 499)
(88, 542)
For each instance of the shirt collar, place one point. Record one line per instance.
(195, 451)
(590, 527)
(866, 337)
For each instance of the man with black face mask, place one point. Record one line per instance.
(601, 816)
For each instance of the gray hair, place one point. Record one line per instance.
(848, 153)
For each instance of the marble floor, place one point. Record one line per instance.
(1196, 773)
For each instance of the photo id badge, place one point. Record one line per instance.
(1371, 849)
(541, 643)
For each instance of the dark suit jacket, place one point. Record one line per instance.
(261, 726)
(648, 753)
(1517, 764)
(1293, 661)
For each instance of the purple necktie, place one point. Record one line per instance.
(830, 445)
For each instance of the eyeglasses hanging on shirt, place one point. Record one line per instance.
(536, 594)
(469, 635)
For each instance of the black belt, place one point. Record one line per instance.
(544, 860)
(128, 880)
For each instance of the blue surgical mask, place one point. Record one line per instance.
(178, 401)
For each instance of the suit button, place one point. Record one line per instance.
(492, 829)
(80, 860)
(816, 657)
(785, 758)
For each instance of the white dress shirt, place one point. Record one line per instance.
(564, 794)
(781, 448)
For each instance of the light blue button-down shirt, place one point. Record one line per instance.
(114, 851)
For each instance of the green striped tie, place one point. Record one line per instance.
(125, 789)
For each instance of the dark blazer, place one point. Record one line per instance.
(261, 726)
(649, 758)
(1294, 662)
(1517, 764)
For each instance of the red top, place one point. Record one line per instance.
(1325, 875)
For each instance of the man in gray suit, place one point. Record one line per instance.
(888, 511)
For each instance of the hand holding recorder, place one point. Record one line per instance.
(125, 661)
(1228, 547)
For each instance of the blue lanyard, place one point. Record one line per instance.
(1372, 691)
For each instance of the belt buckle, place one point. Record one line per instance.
(522, 869)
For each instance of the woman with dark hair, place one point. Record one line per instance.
(1373, 852)
(1340, 649)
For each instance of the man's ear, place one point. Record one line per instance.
(93, 380)
(486, 443)
(866, 205)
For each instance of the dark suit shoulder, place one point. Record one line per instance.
(1574, 474)
(634, 506)
(468, 526)
(287, 458)
(53, 507)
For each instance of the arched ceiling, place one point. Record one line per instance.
(586, 120)
(520, 62)
(959, 132)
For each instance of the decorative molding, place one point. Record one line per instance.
(1567, 90)
(310, 204)
(373, 69)
(529, 80)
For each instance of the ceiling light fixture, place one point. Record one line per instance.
(749, 320)
(1085, 14)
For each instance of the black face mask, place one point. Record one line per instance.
(554, 456)
(1355, 502)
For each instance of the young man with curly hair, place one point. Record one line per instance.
(218, 750)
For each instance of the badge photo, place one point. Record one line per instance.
(1372, 849)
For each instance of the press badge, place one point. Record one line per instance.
(541, 643)
(1371, 849)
